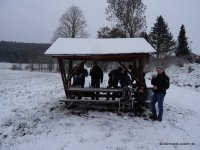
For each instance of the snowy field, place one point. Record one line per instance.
(31, 118)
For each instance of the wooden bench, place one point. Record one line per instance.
(90, 93)
(94, 92)
(118, 101)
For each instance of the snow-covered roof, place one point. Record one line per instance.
(80, 46)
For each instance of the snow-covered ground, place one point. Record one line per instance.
(31, 117)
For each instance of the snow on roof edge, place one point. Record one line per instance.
(77, 46)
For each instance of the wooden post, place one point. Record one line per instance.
(141, 71)
(63, 75)
(69, 74)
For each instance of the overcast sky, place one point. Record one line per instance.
(36, 20)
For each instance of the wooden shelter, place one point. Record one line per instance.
(109, 50)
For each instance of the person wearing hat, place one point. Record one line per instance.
(160, 84)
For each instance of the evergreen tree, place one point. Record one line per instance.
(182, 48)
(145, 36)
(161, 39)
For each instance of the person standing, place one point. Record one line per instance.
(114, 79)
(133, 71)
(160, 84)
(96, 74)
(79, 74)
(125, 79)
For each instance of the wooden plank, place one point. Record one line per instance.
(89, 101)
(76, 89)
(104, 57)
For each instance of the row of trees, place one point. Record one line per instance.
(17, 52)
(31, 54)
(128, 20)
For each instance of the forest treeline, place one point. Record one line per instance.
(28, 53)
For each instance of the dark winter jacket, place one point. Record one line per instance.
(125, 80)
(79, 75)
(114, 78)
(162, 83)
(96, 75)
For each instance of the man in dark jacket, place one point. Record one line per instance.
(125, 79)
(114, 79)
(96, 74)
(133, 71)
(160, 85)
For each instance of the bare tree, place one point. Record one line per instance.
(129, 14)
(72, 24)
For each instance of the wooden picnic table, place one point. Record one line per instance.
(92, 92)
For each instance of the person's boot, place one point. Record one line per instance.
(152, 117)
(159, 119)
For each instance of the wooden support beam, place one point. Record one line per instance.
(141, 71)
(103, 57)
(69, 73)
(63, 75)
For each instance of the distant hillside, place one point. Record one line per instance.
(18, 52)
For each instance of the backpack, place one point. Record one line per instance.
(167, 83)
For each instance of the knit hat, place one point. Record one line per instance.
(161, 68)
